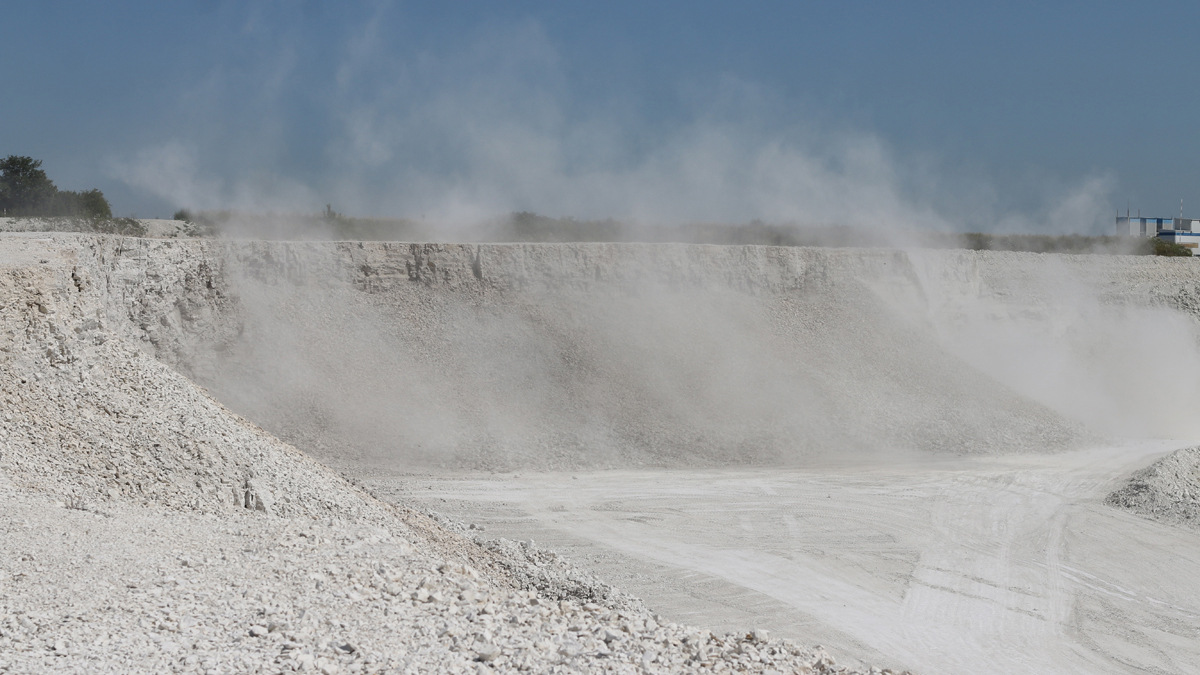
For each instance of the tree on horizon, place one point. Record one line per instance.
(26, 190)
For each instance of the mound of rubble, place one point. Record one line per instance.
(1167, 490)
(125, 588)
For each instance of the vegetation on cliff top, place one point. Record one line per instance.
(26, 190)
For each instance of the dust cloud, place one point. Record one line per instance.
(688, 354)
(607, 355)
(1081, 337)
(454, 139)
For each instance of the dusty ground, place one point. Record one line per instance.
(966, 565)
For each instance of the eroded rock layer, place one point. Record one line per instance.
(544, 356)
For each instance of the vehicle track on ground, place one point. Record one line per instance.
(1006, 564)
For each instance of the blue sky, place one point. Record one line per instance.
(1008, 116)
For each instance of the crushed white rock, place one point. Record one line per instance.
(1167, 490)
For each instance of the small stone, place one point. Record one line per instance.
(486, 652)
(258, 631)
(258, 498)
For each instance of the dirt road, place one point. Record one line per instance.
(980, 565)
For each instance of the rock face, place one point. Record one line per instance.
(551, 356)
(544, 356)
(1167, 490)
(556, 356)
(596, 355)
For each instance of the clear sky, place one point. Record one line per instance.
(999, 116)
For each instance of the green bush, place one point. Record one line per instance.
(89, 204)
(128, 227)
(1168, 249)
(24, 187)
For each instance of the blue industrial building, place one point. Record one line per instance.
(1182, 231)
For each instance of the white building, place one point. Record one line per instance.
(1186, 238)
(1182, 231)
(1149, 227)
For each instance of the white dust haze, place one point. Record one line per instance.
(603, 355)
(458, 137)
(1080, 336)
(553, 356)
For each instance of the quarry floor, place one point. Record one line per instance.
(1007, 564)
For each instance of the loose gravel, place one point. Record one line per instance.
(1167, 491)
(142, 589)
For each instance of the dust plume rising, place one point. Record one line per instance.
(605, 355)
(455, 139)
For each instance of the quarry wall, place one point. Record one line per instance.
(499, 356)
